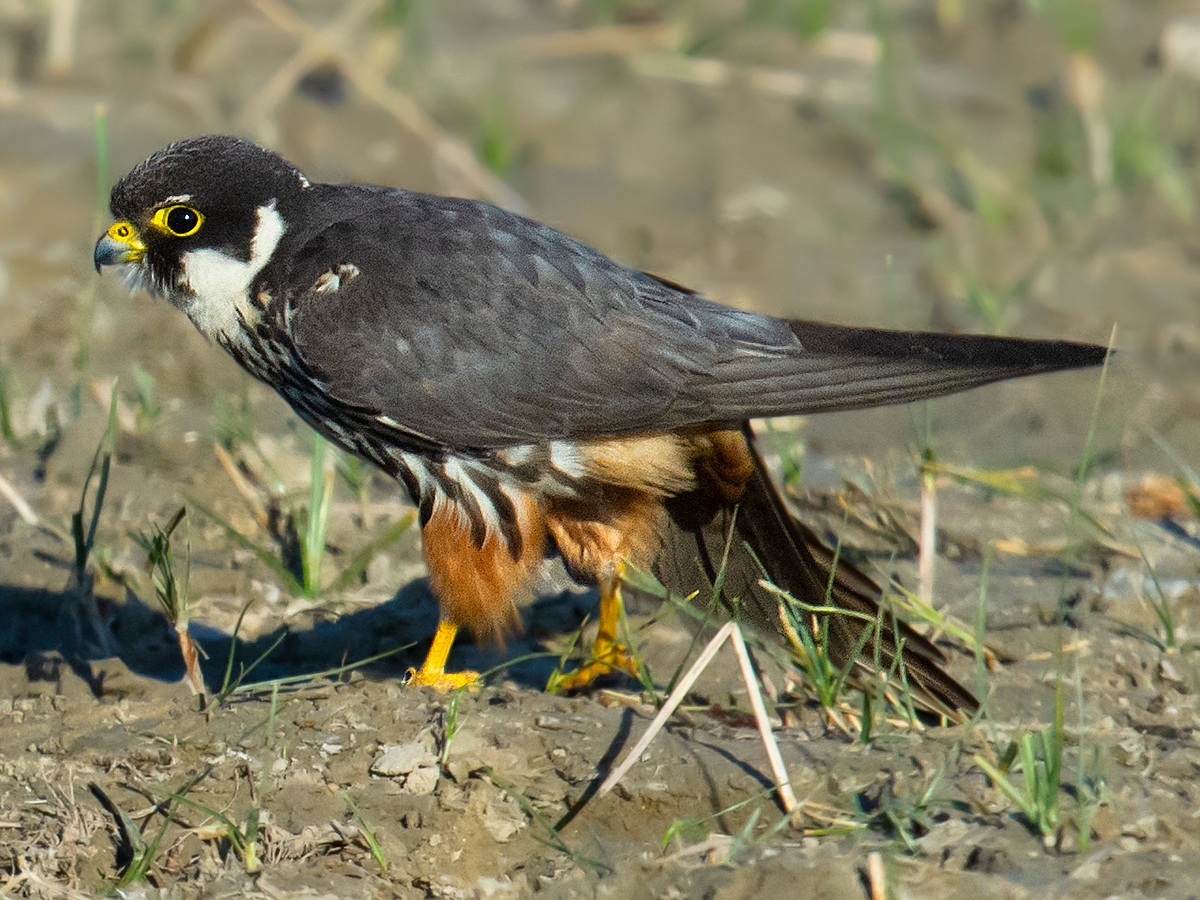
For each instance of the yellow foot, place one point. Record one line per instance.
(606, 659)
(433, 671)
(438, 680)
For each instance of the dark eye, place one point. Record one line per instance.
(182, 220)
(179, 220)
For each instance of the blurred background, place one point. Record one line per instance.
(1025, 167)
(1013, 166)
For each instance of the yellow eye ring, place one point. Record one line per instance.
(179, 220)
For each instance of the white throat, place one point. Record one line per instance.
(220, 284)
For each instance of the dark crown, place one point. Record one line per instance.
(216, 171)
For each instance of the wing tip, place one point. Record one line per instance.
(1014, 354)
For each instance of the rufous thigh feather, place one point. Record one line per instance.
(593, 534)
(480, 586)
(624, 518)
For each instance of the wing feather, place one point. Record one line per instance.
(481, 329)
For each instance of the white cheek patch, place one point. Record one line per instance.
(220, 284)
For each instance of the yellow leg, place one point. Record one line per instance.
(607, 654)
(433, 671)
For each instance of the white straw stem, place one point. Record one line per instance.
(782, 782)
(669, 707)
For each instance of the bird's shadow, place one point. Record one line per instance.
(37, 624)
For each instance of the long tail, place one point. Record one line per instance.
(835, 367)
(761, 539)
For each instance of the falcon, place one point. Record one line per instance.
(536, 398)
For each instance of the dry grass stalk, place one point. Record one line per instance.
(61, 36)
(243, 487)
(927, 542)
(876, 877)
(1085, 82)
(314, 48)
(610, 40)
(449, 152)
(24, 510)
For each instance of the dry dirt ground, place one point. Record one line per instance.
(899, 170)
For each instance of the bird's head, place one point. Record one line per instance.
(198, 220)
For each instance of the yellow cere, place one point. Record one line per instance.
(178, 220)
(124, 232)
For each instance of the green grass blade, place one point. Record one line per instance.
(362, 559)
(1005, 786)
(320, 496)
(102, 460)
(6, 426)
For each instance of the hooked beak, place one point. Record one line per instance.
(120, 244)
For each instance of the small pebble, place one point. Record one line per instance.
(402, 760)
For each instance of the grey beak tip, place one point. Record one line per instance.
(103, 255)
